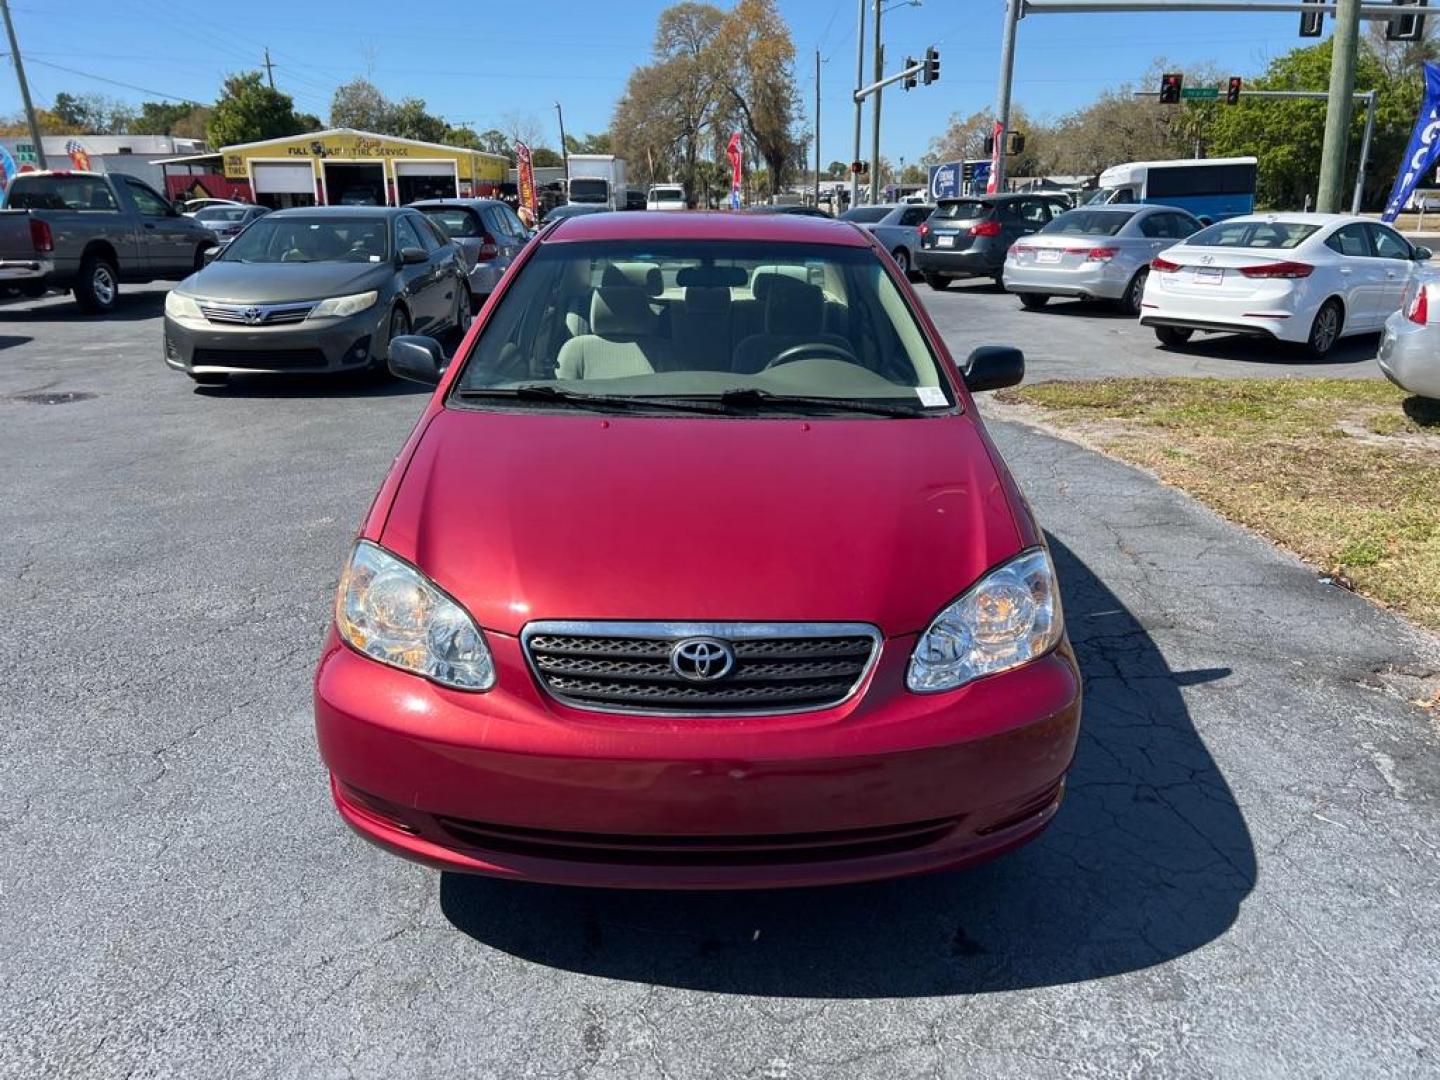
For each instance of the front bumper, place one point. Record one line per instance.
(979, 260)
(1410, 356)
(200, 347)
(513, 784)
(1088, 281)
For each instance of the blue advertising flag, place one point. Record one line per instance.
(1423, 149)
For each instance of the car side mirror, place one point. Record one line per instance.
(209, 255)
(417, 358)
(411, 255)
(1421, 254)
(993, 367)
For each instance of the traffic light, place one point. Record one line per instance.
(990, 145)
(1406, 27)
(909, 82)
(859, 168)
(1312, 23)
(932, 64)
(1170, 84)
(1232, 92)
(967, 171)
(1015, 142)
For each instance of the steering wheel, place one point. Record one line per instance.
(812, 350)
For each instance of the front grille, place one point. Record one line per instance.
(626, 667)
(257, 314)
(259, 359)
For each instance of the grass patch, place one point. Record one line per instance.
(1345, 473)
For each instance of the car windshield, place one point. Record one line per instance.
(864, 214)
(454, 220)
(1089, 222)
(703, 321)
(1253, 234)
(308, 239)
(221, 213)
(962, 210)
(669, 193)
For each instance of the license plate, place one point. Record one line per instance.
(944, 240)
(1209, 275)
(1045, 255)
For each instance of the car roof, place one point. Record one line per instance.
(707, 225)
(1003, 197)
(476, 202)
(340, 211)
(1284, 218)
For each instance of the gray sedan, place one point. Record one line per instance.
(1410, 347)
(227, 222)
(488, 234)
(1094, 253)
(316, 290)
(895, 226)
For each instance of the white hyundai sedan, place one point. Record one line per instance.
(1310, 279)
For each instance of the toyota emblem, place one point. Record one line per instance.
(253, 315)
(702, 659)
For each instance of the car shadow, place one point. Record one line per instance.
(1423, 412)
(9, 341)
(347, 385)
(1087, 309)
(1359, 349)
(129, 307)
(1148, 859)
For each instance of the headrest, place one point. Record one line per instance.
(621, 311)
(761, 280)
(641, 275)
(793, 307)
(707, 300)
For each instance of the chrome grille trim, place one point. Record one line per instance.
(623, 667)
(269, 314)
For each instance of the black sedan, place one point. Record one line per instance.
(316, 290)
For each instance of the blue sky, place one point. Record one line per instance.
(474, 63)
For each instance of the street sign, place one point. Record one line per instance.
(1201, 93)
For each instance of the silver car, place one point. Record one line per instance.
(897, 227)
(226, 222)
(1094, 253)
(1410, 347)
(489, 234)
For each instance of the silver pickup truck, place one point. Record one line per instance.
(91, 231)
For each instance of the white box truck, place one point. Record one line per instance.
(597, 179)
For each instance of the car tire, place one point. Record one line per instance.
(399, 326)
(936, 282)
(1325, 329)
(212, 378)
(1033, 301)
(98, 286)
(462, 311)
(902, 260)
(1172, 336)
(1129, 304)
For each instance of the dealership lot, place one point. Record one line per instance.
(1243, 880)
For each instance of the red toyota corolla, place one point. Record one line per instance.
(699, 571)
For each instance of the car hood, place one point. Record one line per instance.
(272, 283)
(525, 516)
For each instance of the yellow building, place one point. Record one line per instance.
(342, 166)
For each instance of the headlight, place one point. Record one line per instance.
(179, 306)
(1008, 617)
(341, 306)
(390, 611)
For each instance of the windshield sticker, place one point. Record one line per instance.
(931, 397)
(374, 258)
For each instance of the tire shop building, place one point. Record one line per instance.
(340, 167)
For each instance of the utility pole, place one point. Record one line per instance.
(564, 150)
(1337, 111)
(1002, 93)
(817, 127)
(30, 120)
(859, 102)
(269, 68)
(875, 114)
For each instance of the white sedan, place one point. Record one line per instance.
(1310, 279)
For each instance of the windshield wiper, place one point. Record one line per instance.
(753, 397)
(556, 395)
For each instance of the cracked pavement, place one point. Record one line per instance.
(1243, 880)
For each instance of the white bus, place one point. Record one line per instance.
(1210, 188)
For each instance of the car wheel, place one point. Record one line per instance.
(1173, 335)
(1033, 301)
(936, 282)
(1325, 329)
(214, 378)
(902, 260)
(1130, 302)
(399, 327)
(98, 287)
(462, 310)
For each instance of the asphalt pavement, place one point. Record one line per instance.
(1243, 880)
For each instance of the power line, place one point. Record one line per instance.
(116, 82)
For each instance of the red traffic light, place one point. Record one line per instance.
(1232, 92)
(1170, 86)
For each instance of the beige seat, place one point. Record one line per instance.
(640, 275)
(703, 328)
(623, 338)
(794, 315)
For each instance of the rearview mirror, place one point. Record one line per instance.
(993, 367)
(411, 255)
(1421, 253)
(417, 358)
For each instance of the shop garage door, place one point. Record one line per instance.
(283, 178)
(425, 180)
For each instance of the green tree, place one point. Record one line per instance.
(407, 119)
(494, 141)
(359, 104)
(160, 117)
(542, 157)
(93, 114)
(249, 111)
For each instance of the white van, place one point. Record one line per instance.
(665, 197)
